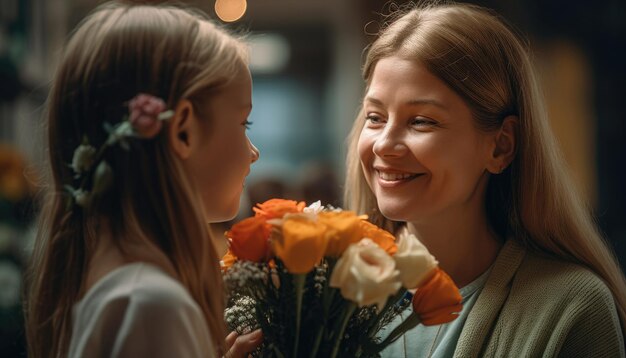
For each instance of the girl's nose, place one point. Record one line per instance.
(255, 153)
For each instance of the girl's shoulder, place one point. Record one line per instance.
(139, 284)
(139, 310)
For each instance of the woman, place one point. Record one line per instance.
(453, 144)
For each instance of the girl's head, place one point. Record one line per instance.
(164, 189)
(196, 68)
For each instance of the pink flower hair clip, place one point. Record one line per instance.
(146, 114)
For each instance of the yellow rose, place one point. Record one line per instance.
(413, 261)
(366, 274)
(300, 244)
(343, 229)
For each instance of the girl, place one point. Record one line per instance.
(453, 144)
(146, 139)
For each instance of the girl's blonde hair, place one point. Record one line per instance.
(117, 52)
(534, 200)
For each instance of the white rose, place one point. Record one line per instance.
(314, 208)
(366, 274)
(413, 261)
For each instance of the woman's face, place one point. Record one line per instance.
(420, 152)
(222, 162)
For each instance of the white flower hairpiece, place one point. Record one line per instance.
(144, 121)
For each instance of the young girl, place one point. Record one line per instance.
(147, 143)
(453, 144)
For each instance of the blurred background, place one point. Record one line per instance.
(306, 60)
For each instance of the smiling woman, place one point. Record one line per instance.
(452, 144)
(420, 150)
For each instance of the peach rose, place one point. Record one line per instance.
(277, 208)
(249, 239)
(300, 244)
(438, 300)
(382, 238)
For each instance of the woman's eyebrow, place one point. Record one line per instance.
(413, 102)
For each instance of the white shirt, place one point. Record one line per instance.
(139, 311)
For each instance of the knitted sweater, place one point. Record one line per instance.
(533, 306)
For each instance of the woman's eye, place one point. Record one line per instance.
(373, 119)
(247, 124)
(420, 121)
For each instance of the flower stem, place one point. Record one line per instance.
(410, 322)
(278, 353)
(375, 327)
(298, 282)
(346, 318)
(318, 340)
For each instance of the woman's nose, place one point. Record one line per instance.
(390, 144)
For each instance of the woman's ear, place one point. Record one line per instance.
(181, 129)
(505, 145)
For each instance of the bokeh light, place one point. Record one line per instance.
(230, 10)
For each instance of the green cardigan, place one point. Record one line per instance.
(533, 306)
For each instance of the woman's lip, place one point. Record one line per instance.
(394, 183)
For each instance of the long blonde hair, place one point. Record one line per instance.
(534, 200)
(118, 51)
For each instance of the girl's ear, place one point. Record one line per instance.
(505, 145)
(181, 131)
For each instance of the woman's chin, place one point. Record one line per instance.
(394, 212)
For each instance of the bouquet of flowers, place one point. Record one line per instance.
(322, 282)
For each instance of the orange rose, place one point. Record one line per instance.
(228, 260)
(277, 208)
(438, 300)
(249, 239)
(382, 238)
(343, 229)
(301, 244)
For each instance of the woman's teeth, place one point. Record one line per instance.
(395, 176)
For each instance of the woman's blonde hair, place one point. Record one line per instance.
(534, 200)
(117, 52)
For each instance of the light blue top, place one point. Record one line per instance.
(435, 341)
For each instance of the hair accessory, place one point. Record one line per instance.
(146, 114)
